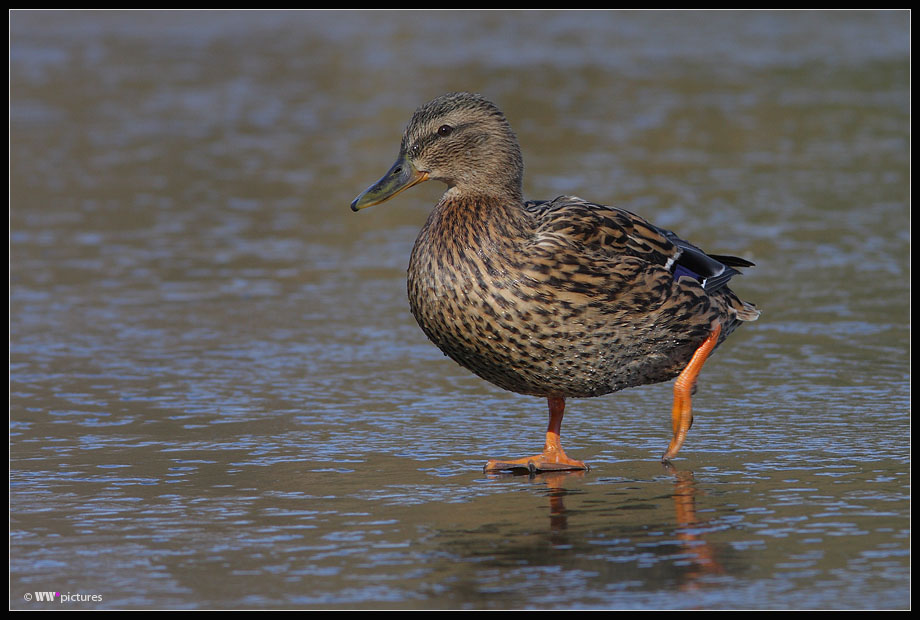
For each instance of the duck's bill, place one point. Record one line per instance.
(401, 176)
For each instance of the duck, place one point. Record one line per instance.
(558, 299)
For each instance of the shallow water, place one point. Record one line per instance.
(218, 397)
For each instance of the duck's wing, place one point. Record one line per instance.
(601, 230)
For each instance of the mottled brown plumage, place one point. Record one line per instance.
(561, 298)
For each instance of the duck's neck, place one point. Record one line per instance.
(470, 219)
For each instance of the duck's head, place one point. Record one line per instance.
(461, 139)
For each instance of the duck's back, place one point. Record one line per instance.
(566, 297)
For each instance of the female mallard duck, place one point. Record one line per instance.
(561, 298)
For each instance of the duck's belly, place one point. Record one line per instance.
(533, 340)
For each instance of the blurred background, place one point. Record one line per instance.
(219, 399)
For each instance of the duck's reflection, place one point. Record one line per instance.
(697, 552)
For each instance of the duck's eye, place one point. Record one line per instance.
(445, 130)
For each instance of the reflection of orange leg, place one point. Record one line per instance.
(681, 413)
(700, 551)
(553, 457)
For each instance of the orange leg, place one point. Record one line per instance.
(553, 457)
(681, 413)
